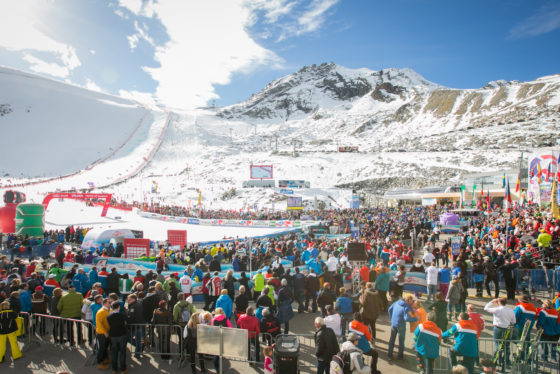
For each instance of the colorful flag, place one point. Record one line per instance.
(555, 210)
(474, 195)
(517, 186)
(508, 198)
(504, 181)
(539, 172)
(549, 172)
(462, 196)
(482, 190)
(558, 168)
(488, 200)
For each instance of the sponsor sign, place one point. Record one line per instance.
(429, 202)
(456, 245)
(177, 237)
(134, 248)
(286, 191)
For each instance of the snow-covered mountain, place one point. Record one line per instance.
(409, 132)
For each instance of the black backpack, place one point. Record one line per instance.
(340, 363)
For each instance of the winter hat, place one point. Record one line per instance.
(353, 337)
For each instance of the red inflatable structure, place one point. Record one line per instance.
(80, 196)
(8, 212)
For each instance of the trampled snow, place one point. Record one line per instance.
(68, 212)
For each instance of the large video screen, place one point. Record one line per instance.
(294, 203)
(261, 171)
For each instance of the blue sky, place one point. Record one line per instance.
(185, 53)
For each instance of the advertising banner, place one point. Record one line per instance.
(261, 171)
(134, 248)
(542, 168)
(177, 237)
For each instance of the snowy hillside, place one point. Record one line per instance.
(409, 131)
(51, 128)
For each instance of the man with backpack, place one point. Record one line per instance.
(349, 360)
(182, 310)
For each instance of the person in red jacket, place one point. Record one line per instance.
(249, 322)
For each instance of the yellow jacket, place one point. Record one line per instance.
(102, 325)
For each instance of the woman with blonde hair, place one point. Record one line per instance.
(190, 335)
(8, 329)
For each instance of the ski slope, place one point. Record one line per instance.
(68, 212)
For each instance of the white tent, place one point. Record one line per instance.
(97, 237)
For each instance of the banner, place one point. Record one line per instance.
(177, 237)
(544, 163)
(134, 248)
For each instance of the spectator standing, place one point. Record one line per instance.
(8, 329)
(70, 306)
(135, 320)
(102, 330)
(118, 333)
(504, 317)
(400, 312)
(466, 342)
(432, 273)
(249, 322)
(285, 311)
(190, 336)
(427, 338)
(326, 345)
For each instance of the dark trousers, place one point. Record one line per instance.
(426, 363)
(323, 367)
(254, 341)
(103, 343)
(384, 302)
(479, 289)
(313, 303)
(299, 298)
(371, 323)
(118, 353)
(468, 362)
(510, 290)
(70, 331)
(137, 335)
(496, 286)
(207, 301)
(192, 354)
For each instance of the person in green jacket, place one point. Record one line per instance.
(172, 278)
(259, 285)
(70, 306)
(125, 286)
(440, 307)
(182, 310)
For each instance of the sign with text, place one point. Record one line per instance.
(294, 203)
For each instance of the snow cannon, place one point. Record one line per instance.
(30, 220)
(8, 212)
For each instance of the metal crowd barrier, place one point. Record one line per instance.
(163, 340)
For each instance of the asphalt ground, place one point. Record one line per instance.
(48, 358)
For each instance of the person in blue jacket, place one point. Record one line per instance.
(25, 298)
(224, 302)
(314, 264)
(197, 274)
(466, 335)
(343, 305)
(427, 338)
(548, 321)
(93, 278)
(400, 312)
(81, 281)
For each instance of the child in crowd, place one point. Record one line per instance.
(420, 313)
(268, 365)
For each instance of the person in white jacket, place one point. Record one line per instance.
(357, 365)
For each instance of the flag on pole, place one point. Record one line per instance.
(517, 186)
(555, 210)
(488, 200)
(504, 181)
(508, 198)
(558, 168)
(482, 190)
(474, 195)
(462, 196)
(539, 172)
(549, 171)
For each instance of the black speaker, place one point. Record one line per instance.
(357, 252)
